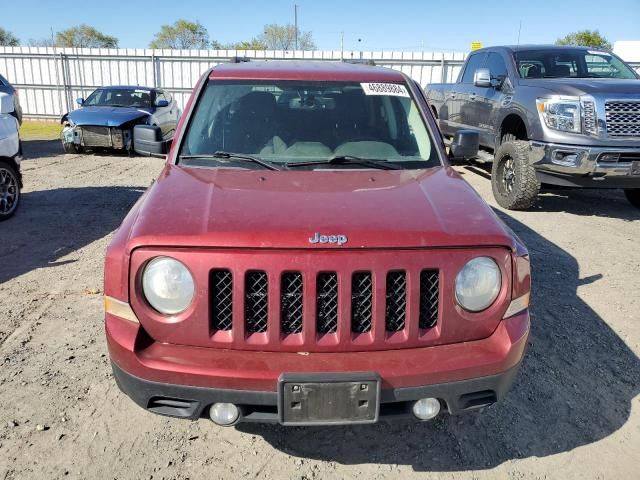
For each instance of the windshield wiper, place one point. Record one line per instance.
(229, 155)
(347, 160)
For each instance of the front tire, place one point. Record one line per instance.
(71, 148)
(513, 180)
(633, 195)
(9, 190)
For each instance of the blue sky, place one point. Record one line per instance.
(430, 25)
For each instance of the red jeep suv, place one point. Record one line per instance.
(308, 257)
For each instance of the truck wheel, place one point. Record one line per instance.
(633, 195)
(513, 180)
(9, 190)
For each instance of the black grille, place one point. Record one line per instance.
(361, 302)
(428, 298)
(221, 299)
(396, 301)
(291, 302)
(256, 302)
(327, 302)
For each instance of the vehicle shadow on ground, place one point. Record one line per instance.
(61, 221)
(41, 148)
(589, 202)
(575, 387)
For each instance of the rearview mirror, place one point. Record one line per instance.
(465, 146)
(80, 101)
(482, 78)
(162, 103)
(6, 103)
(148, 141)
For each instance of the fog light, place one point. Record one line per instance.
(426, 408)
(224, 414)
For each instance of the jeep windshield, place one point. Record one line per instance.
(119, 97)
(559, 63)
(312, 124)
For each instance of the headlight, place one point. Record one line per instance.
(561, 113)
(168, 286)
(478, 284)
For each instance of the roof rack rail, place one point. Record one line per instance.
(360, 61)
(239, 59)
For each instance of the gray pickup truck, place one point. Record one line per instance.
(547, 115)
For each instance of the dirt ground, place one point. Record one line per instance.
(573, 413)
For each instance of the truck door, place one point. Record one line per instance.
(462, 97)
(490, 100)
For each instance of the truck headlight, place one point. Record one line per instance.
(561, 113)
(478, 284)
(167, 285)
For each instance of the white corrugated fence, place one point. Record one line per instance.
(49, 80)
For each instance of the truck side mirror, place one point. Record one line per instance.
(465, 146)
(148, 141)
(482, 78)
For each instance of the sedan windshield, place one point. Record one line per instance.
(336, 124)
(558, 63)
(119, 97)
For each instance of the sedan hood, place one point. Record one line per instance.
(270, 209)
(585, 86)
(107, 116)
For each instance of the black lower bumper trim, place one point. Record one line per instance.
(190, 402)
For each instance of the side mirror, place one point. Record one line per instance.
(80, 101)
(6, 103)
(162, 103)
(482, 78)
(148, 141)
(465, 146)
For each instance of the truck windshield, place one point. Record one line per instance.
(558, 63)
(284, 122)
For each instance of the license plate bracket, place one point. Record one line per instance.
(328, 398)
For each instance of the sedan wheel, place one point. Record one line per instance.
(9, 191)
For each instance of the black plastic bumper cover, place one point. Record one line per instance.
(190, 402)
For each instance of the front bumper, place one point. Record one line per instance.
(185, 381)
(585, 166)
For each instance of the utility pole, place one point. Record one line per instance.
(295, 17)
(342, 46)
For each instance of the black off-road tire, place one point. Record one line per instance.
(633, 195)
(9, 184)
(513, 180)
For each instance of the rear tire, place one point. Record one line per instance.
(513, 180)
(633, 195)
(9, 190)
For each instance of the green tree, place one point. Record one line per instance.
(8, 39)
(253, 44)
(182, 34)
(283, 37)
(585, 38)
(84, 36)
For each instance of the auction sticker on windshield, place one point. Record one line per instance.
(393, 89)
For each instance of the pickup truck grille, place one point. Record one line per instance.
(327, 297)
(589, 118)
(623, 118)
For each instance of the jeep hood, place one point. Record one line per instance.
(585, 86)
(225, 207)
(107, 116)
